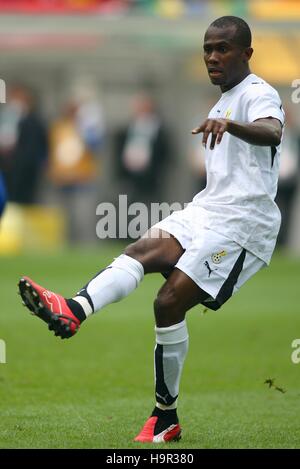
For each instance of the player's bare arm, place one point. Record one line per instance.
(262, 132)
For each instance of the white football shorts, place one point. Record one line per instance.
(218, 265)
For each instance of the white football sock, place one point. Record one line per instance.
(170, 352)
(112, 284)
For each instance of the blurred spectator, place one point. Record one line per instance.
(288, 177)
(76, 139)
(23, 145)
(2, 195)
(142, 150)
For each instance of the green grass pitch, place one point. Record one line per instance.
(96, 389)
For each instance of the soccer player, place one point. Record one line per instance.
(213, 246)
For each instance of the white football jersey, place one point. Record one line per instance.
(242, 178)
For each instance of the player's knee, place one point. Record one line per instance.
(135, 250)
(167, 303)
(147, 253)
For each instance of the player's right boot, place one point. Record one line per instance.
(161, 427)
(50, 307)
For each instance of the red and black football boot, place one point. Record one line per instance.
(161, 427)
(50, 307)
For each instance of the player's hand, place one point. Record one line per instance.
(215, 127)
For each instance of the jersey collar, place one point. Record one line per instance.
(239, 85)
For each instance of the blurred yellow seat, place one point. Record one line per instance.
(31, 227)
(275, 9)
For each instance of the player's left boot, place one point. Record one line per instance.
(50, 307)
(161, 427)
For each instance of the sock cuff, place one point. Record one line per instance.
(85, 304)
(130, 265)
(166, 407)
(173, 334)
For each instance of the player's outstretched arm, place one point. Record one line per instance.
(263, 132)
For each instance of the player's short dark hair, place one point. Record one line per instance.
(243, 35)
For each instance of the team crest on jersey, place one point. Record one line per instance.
(228, 113)
(217, 256)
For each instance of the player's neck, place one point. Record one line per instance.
(231, 85)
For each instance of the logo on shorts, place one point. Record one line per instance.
(210, 270)
(228, 113)
(217, 256)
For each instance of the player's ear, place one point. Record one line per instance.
(247, 53)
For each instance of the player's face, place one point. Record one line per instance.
(226, 61)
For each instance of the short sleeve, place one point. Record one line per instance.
(264, 102)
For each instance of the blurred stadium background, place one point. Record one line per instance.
(98, 55)
(76, 73)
